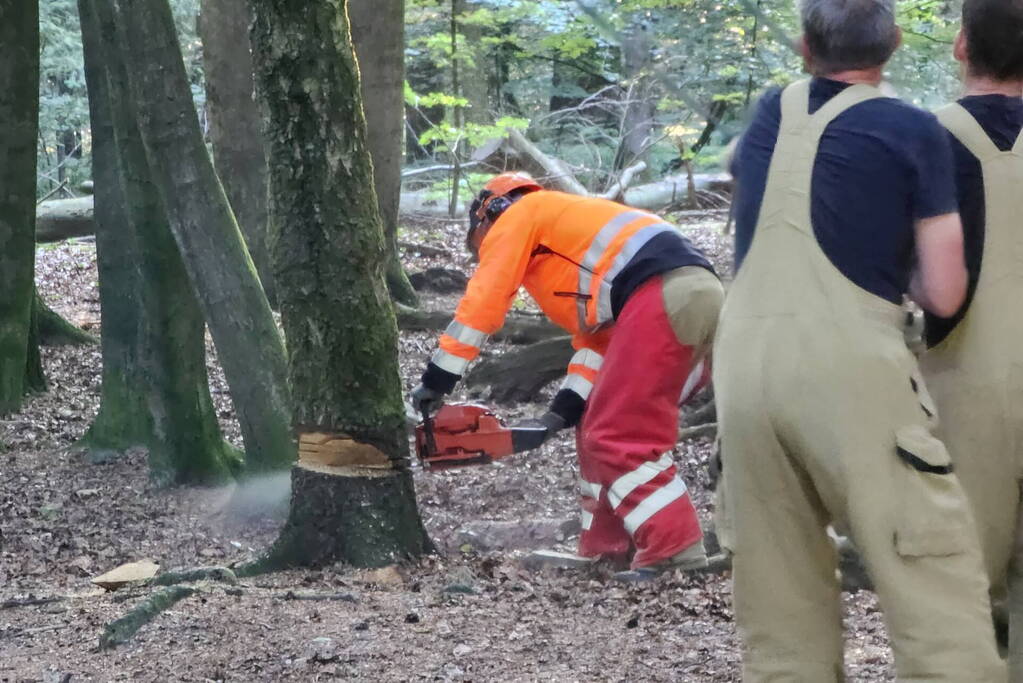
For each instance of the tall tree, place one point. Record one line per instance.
(378, 30)
(329, 258)
(250, 347)
(20, 370)
(239, 151)
(155, 388)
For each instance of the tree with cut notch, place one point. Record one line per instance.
(352, 494)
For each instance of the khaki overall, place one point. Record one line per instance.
(976, 373)
(824, 420)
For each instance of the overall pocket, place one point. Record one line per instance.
(934, 517)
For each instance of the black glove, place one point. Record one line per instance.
(426, 401)
(551, 422)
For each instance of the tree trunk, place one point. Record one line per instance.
(329, 257)
(378, 31)
(638, 119)
(239, 149)
(475, 86)
(211, 246)
(19, 126)
(155, 386)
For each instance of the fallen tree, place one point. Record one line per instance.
(518, 376)
(60, 219)
(518, 329)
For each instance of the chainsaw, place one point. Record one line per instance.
(463, 434)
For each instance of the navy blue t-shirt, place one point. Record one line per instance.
(882, 165)
(1001, 117)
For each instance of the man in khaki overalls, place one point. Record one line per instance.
(975, 365)
(824, 418)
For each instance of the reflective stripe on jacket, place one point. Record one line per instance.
(566, 251)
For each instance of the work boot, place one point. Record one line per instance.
(693, 557)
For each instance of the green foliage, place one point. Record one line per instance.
(65, 145)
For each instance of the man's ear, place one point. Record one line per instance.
(898, 37)
(960, 49)
(803, 48)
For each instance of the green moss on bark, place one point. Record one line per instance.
(330, 258)
(19, 123)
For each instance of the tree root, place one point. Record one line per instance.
(30, 602)
(55, 331)
(121, 631)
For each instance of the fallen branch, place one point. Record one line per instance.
(121, 631)
(699, 431)
(424, 249)
(619, 186)
(447, 168)
(30, 602)
(319, 597)
(220, 574)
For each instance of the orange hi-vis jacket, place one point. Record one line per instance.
(566, 250)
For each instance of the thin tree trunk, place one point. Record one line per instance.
(378, 31)
(220, 269)
(329, 256)
(638, 119)
(239, 150)
(19, 126)
(158, 353)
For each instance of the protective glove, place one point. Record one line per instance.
(551, 422)
(426, 401)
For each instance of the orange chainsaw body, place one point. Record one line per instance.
(463, 434)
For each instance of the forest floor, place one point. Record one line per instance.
(471, 613)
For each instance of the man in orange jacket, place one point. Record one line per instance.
(642, 305)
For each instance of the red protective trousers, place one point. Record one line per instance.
(632, 494)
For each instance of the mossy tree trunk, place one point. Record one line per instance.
(329, 257)
(158, 388)
(239, 151)
(20, 370)
(249, 345)
(378, 32)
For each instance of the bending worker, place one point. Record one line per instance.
(975, 364)
(823, 416)
(642, 304)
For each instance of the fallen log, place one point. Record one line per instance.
(674, 189)
(518, 329)
(61, 219)
(518, 376)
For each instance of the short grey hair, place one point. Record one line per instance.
(849, 34)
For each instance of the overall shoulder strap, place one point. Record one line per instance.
(847, 99)
(795, 105)
(968, 131)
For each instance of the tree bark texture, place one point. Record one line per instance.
(222, 273)
(329, 258)
(378, 32)
(19, 126)
(638, 119)
(239, 149)
(159, 388)
(123, 418)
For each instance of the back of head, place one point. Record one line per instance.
(844, 35)
(994, 38)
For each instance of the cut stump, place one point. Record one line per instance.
(362, 516)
